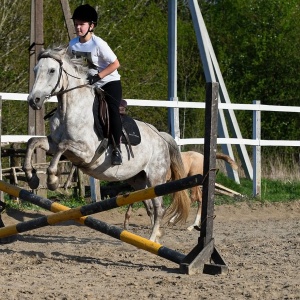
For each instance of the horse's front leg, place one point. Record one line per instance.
(78, 150)
(30, 172)
(52, 178)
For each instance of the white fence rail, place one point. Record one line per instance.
(182, 104)
(256, 142)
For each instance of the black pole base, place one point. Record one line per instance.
(205, 260)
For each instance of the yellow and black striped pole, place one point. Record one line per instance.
(63, 213)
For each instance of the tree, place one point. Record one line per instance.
(257, 45)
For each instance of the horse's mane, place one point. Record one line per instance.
(61, 54)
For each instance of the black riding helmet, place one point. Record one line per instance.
(86, 13)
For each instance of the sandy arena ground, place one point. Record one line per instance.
(260, 245)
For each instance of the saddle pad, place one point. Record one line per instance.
(132, 130)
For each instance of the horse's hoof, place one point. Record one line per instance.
(34, 182)
(52, 186)
(52, 182)
(190, 228)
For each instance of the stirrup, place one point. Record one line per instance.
(116, 157)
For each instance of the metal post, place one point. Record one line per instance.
(212, 73)
(173, 113)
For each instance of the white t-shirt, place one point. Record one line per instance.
(98, 55)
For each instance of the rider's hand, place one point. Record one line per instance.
(93, 79)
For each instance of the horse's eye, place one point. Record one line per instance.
(52, 71)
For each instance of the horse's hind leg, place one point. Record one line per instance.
(127, 216)
(196, 195)
(149, 208)
(158, 213)
(197, 218)
(154, 207)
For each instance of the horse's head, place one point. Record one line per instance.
(48, 77)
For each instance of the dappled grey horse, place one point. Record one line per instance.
(74, 134)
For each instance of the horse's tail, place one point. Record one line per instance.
(228, 159)
(180, 206)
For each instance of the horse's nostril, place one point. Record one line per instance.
(37, 100)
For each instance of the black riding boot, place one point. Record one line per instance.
(116, 156)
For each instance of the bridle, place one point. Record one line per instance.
(61, 70)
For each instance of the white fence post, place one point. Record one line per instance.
(257, 151)
(95, 189)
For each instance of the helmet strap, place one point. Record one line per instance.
(89, 30)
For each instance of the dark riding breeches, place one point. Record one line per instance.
(113, 96)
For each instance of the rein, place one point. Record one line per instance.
(68, 90)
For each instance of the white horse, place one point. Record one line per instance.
(74, 135)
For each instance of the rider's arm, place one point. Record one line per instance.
(109, 69)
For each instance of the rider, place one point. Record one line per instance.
(103, 65)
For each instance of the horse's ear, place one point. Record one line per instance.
(41, 52)
(64, 51)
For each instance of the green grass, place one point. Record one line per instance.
(20, 205)
(271, 190)
(278, 191)
(70, 201)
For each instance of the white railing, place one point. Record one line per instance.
(256, 142)
(182, 104)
